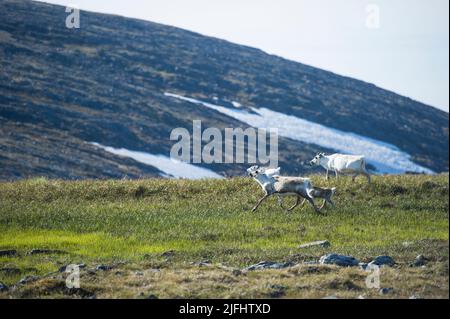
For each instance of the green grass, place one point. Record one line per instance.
(136, 221)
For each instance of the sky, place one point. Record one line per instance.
(399, 45)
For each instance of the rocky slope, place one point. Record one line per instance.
(105, 83)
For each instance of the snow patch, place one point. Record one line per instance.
(171, 168)
(387, 158)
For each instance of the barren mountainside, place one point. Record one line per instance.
(61, 88)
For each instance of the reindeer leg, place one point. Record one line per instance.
(296, 204)
(311, 201)
(354, 177)
(259, 202)
(327, 177)
(280, 202)
(323, 205)
(303, 202)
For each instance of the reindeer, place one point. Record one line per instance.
(325, 193)
(342, 164)
(280, 185)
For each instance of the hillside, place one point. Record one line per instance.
(194, 239)
(106, 82)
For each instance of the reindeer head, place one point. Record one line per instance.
(316, 160)
(254, 171)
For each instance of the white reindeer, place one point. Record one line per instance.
(342, 164)
(280, 185)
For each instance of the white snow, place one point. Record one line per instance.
(385, 157)
(169, 167)
(236, 104)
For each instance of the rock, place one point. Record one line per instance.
(322, 243)
(103, 267)
(45, 251)
(363, 266)
(153, 297)
(169, 253)
(382, 261)
(202, 263)
(419, 261)
(63, 268)
(139, 273)
(8, 253)
(276, 291)
(385, 291)
(27, 280)
(407, 243)
(3, 287)
(340, 260)
(361, 297)
(268, 265)
(236, 272)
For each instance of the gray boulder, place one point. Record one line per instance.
(268, 265)
(340, 260)
(383, 261)
(385, 291)
(8, 253)
(103, 267)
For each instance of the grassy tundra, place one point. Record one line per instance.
(151, 233)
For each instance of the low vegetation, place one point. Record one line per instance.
(180, 238)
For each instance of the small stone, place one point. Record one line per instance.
(8, 253)
(103, 267)
(277, 291)
(202, 263)
(407, 243)
(340, 260)
(363, 266)
(153, 297)
(321, 243)
(420, 261)
(169, 253)
(385, 291)
(3, 287)
(382, 261)
(139, 273)
(45, 251)
(236, 272)
(27, 280)
(268, 265)
(64, 268)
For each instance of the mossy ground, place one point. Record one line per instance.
(130, 224)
